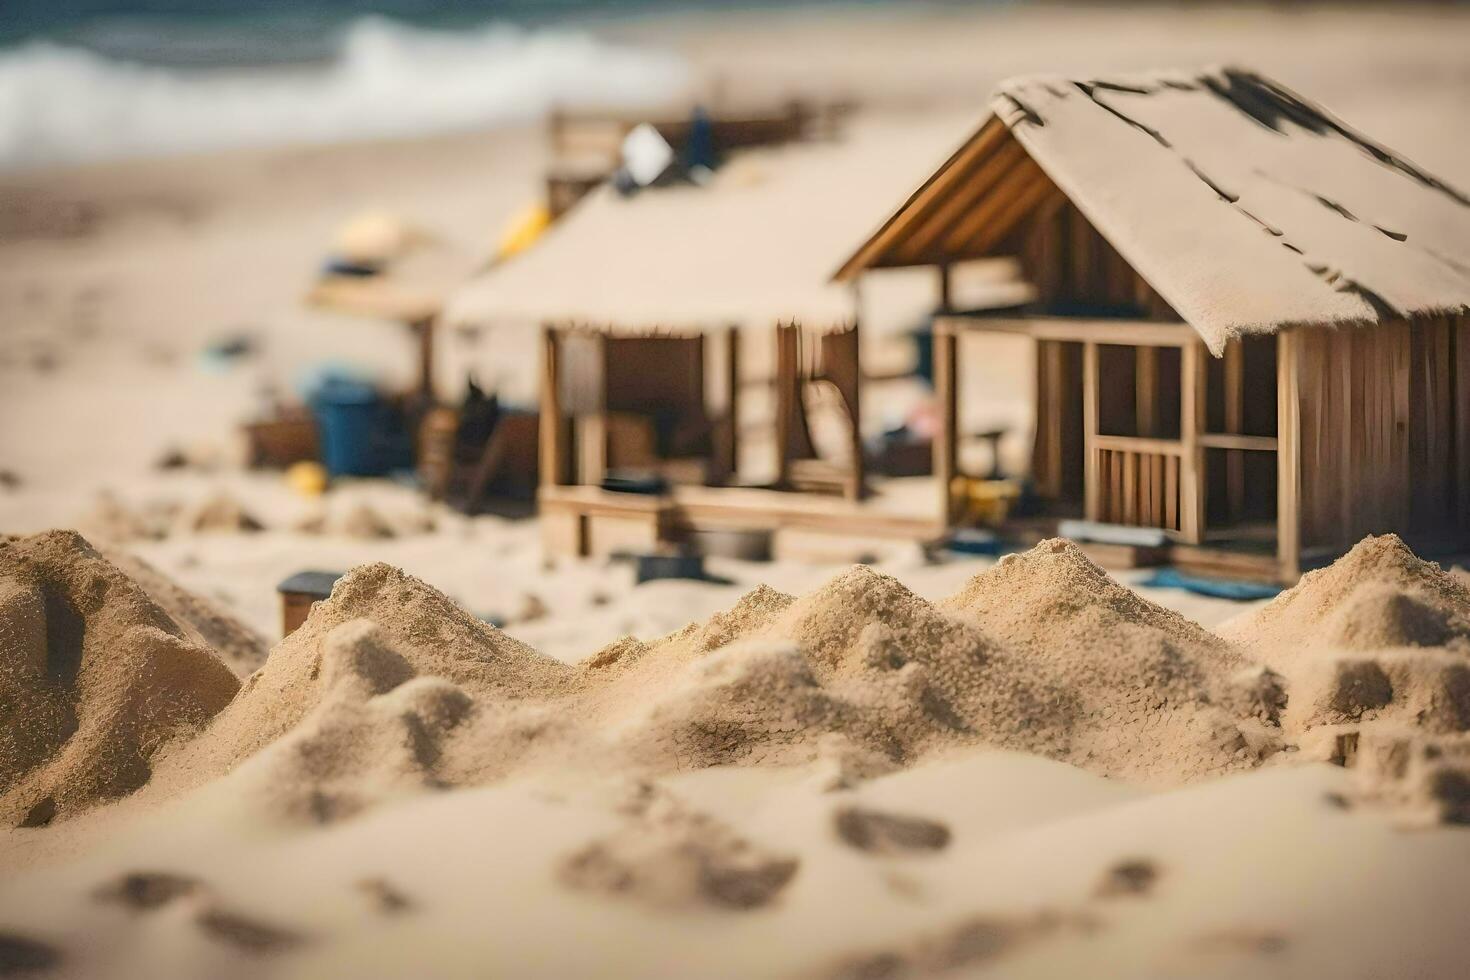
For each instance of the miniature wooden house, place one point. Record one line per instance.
(694, 349)
(1249, 320)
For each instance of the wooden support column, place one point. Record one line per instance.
(1234, 381)
(550, 426)
(946, 294)
(1091, 460)
(1288, 457)
(786, 388)
(1146, 390)
(731, 462)
(1192, 459)
(946, 440)
(423, 330)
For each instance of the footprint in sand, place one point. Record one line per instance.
(20, 956)
(245, 934)
(1260, 942)
(384, 895)
(1133, 876)
(888, 833)
(147, 890)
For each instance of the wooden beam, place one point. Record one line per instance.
(1460, 338)
(423, 329)
(732, 401)
(1139, 444)
(985, 178)
(995, 216)
(1288, 457)
(946, 393)
(1145, 389)
(550, 426)
(1234, 383)
(922, 200)
(1092, 489)
(1192, 460)
(1130, 333)
(1222, 440)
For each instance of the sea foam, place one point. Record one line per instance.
(62, 104)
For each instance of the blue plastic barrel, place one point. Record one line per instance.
(348, 414)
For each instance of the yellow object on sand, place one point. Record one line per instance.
(985, 502)
(523, 230)
(307, 478)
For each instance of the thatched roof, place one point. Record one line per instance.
(1246, 207)
(754, 246)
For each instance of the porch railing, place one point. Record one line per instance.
(1138, 481)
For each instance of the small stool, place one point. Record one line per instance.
(299, 592)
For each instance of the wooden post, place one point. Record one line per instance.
(1234, 381)
(946, 439)
(1192, 458)
(549, 426)
(1091, 470)
(732, 381)
(945, 288)
(786, 368)
(424, 331)
(1288, 457)
(1145, 389)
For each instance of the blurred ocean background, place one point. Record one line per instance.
(85, 80)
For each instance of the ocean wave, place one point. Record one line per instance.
(61, 104)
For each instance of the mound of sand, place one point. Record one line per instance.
(220, 514)
(202, 621)
(112, 520)
(862, 660)
(418, 632)
(95, 679)
(1378, 595)
(1158, 697)
(1379, 637)
(377, 731)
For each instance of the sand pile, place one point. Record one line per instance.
(417, 631)
(1158, 698)
(364, 522)
(1380, 594)
(377, 730)
(1378, 635)
(94, 680)
(1376, 651)
(112, 520)
(202, 621)
(862, 660)
(220, 514)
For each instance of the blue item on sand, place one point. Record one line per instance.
(361, 434)
(1215, 588)
(974, 541)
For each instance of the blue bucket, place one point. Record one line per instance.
(349, 415)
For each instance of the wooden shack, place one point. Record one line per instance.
(690, 334)
(1250, 320)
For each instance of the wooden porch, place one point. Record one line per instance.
(1137, 425)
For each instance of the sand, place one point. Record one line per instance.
(1038, 769)
(906, 769)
